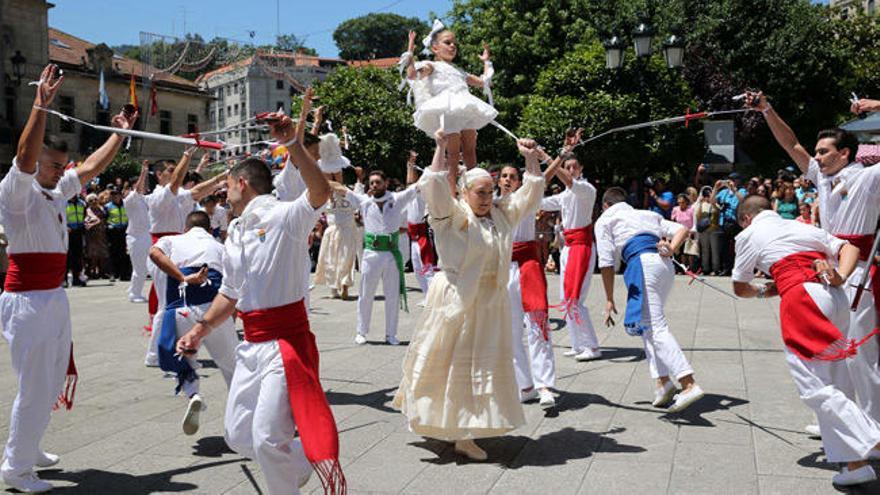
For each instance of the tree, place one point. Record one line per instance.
(375, 36)
(292, 43)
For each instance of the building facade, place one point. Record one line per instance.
(850, 8)
(264, 82)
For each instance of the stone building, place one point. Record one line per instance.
(850, 8)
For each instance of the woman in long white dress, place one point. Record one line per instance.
(458, 378)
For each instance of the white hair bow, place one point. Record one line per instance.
(426, 41)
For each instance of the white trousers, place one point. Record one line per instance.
(378, 265)
(37, 326)
(538, 367)
(582, 333)
(424, 280)
(863, 366)
(220, 343)
(848, 433)
(160, 282)
(662, 351)
(138, 250)
(259, 424)
(402, 244)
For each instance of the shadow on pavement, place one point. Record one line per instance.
(551, 449)
(92, 481)
(375, 400)
(211, 447)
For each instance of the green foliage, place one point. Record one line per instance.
(375, 36)
(292, 43)
(124, 165)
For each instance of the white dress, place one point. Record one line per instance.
(458, 376)
(339, 246)
(445, 92)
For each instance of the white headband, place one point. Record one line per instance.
(427, 40)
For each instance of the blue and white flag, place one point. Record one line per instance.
(103, 99)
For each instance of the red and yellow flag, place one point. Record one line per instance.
(132, 93)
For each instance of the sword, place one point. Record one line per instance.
(866, 276)
(697, 278)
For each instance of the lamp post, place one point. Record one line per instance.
(643, 39)
(18, 62)
(614, 50)
(673, 51)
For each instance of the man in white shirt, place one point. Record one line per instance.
(137, 235)
(218, 215)
(637, 236)
(192, 263)
(34, 311)
(849, 199)
(382, 213)
(814, 315)
(276, 374)
(422, 251)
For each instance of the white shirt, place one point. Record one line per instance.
(138, 214)
(620, 223)
(186, 203)
(220, 218)
(415, 212)
(388, 219)
(771, 238)
(193, 249)
(259, 269)
(288, 184)
(525, 231)
(34, 217)
(165, 210)
(853, 207)
(340, 211)
(576, 204)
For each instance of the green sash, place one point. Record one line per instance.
(389, 243)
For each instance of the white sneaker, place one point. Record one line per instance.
(360, 339)
(421, 304)
(137, 299)
(45, 459)
(191, 418)
(570, 353)
(528, 396)
(470, 449)
(27, 483)
(547, 400)
(813, 430)
(685, 399)
(861, 475)
(663, 396)
(334, 293)
(589, 355)
(151, 362)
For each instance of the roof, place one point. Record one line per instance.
(292, 58)
(69, 50)
(382, 63)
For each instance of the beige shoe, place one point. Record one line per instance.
(470, 450)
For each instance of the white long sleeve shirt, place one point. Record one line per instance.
(620, 223)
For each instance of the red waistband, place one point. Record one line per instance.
(794, 270)
(417, 230)
(865, 242)
(525, 251)
(158, 235)
(263, 325)
(35, 271)
(583, 235)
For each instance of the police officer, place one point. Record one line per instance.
(76, 215)
(117, 222)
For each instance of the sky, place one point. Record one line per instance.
(120, 22)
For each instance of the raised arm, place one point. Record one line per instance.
(206, 159)
(319, 121)
(98, 161)
(199, 191)
(488, 70)
(865, 105)
(411, 63)
(781, 131)
(180, 171)
(140, 186)
(30, 144)
(411, 176)
(527, 198)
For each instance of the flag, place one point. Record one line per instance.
(103, 99)
(154, 103)
(132, 92)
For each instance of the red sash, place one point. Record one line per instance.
(532, 283)
(43, 271)
(419, 232)
(580, 248)
(865, 243)
(806, 331)
(289, 325)
(153, 300)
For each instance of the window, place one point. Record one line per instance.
(235, 91)
(243, 114)
(279, 105)
(292, 91)
(165, 121)
(220, 113)
(279, 84)
(228, 90)
(236, 110)
(66, 105)
(192, 123)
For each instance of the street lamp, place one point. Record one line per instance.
(673, 51)
(642, 37)
(18, 62)
(614, 53)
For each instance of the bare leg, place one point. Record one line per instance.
(469, 148)
(453, 150)
(687, 382)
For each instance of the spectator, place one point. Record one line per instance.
(96, 237)
(76, 215)
(726, 195)
(683, 213)
(806, 215)
(804, 190)
(787, 205)
(117, 222)
(659, 199)
(692, 195)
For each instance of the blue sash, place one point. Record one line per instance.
(195, 296)
(634, 279)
